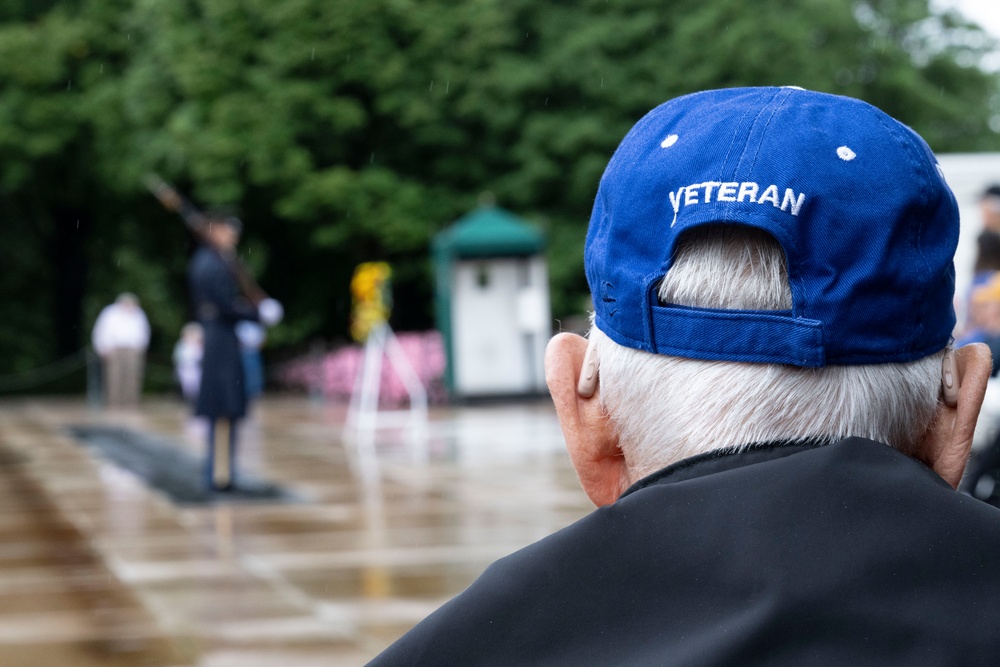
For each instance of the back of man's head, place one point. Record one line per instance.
(668, 407)
(769, 264)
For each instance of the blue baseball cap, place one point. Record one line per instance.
(855, 198)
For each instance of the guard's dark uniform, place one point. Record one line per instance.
(788, 554)
(218, 306)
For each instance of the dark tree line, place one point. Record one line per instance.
(351, 130)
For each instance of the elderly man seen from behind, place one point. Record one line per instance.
(768, 412)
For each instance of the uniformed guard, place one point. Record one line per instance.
(219, 304)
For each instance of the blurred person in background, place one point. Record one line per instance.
(986, 265)
(980, 476)
(219, 305)
(188, 353)
(768, 413)
(989, 207)
(988, 250)
(120, 338)
(252, 338)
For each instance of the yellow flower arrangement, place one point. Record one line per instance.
(371, 298)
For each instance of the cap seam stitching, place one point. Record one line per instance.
(914, 232)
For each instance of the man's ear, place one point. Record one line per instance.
(590, 437)
(946, 445)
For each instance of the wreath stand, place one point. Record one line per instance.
(364, 417)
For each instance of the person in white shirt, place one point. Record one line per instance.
(187, 360)
(120, 338)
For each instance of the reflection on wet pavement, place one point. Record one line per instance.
(98, 568)
(164, 466)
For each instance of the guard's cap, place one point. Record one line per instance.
(855, 198)
(225, 217)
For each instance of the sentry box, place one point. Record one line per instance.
(492, 304)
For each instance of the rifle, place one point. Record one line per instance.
(198, 223)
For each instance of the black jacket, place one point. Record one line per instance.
(218, 304)
(787, 554)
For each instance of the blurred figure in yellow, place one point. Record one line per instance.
(984, 312)
(986, 306)
(980, 475)
(986, 265)
(120, 338)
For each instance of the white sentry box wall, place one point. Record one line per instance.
(500, 325)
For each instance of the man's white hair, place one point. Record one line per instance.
(666, 408)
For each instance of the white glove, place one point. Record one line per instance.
(270, 312)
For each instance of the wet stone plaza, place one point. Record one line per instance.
(113, 554)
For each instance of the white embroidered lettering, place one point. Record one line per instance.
(735, 191)
(675, 199)
(771, 195)
(691, 194)
(747, 190)
(709, 186)
(792, 201)
(675, 202)
(727, 192)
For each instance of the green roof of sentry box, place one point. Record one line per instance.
(489, 231)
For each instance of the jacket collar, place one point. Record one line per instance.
(720, 460)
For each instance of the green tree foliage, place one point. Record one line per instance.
(351, 130)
